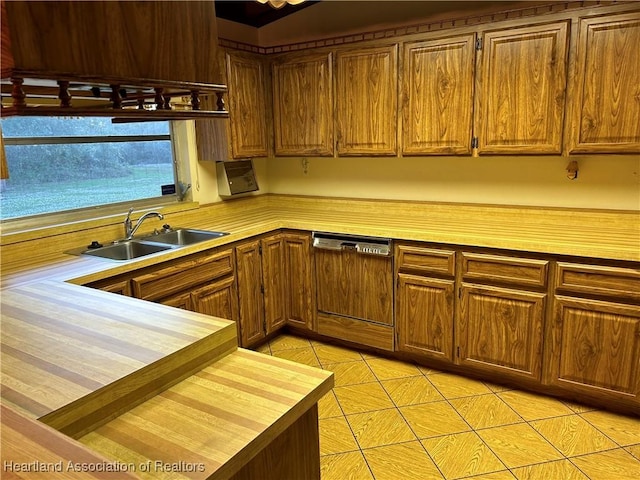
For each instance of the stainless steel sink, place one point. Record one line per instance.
(184, 236)
(127, 250)
(159, 242)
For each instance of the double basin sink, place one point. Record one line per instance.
(159, 242)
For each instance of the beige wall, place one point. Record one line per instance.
(607, 181)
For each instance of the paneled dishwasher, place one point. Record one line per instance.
(354, 279)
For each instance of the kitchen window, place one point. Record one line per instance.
(57, 164)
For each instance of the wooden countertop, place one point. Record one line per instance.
(611, 235)
(245, 392)
(73, 356)
(31, 449)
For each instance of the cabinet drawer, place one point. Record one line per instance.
(597, 280)
(183, 275)
(427, 260)
(505, 270)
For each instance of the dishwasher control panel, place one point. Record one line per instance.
(364, 245)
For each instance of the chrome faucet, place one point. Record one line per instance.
(130, 230)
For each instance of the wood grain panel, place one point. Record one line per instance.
(183, 275)
(425, 316)
(221, 417)
(249, 275)
(356, 331)
(367, 99)
(355, 285)
(74, 368)
(596, 347)
(300, 282)
(437, 96)
(596, 280)
(121, 286)
(521, 94)
(510, 270)
(247, 110)
(501, 330)
(607, 91)
(303, 105)
(182, 300)
(219, 299)
(133, 40)
(30, 448)
(274, 281)
(425, 260)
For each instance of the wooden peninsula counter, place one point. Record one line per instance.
(160, 392)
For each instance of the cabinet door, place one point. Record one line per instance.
(521, 94)
(366, 94)
(425, 316)
(219, 299)
(606, 112)
(245, 77)
(596, 348)
(249, 275)
(183, 301)
(121, 287)
(500, 330)
(298, 274)
(303, 105)
(273, 281)
(437, 96)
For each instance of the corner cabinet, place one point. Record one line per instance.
(303, 105)
(367, 98)
(261, 288)
(521, 90)
(247, 105)
(437, 96)
(300, 304)
(606, 110)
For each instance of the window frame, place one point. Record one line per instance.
(48, 219)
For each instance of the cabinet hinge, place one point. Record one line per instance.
(478, 43)
(459, 292)
(260, 249)
(474, 142)
(262, 289)
(458, 351)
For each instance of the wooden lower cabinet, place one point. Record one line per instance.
(299, 277)
(181, 300)
(264, 286)
(121, 286)
(218, 298)
(424, 316)
(250, 302)
(500, 330)
(274, 283)
(595, 348)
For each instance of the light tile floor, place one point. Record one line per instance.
(388, 420)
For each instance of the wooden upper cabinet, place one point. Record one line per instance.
(521, 90)
(170, 40)
(367, 98)
(606, 107)
(246, 82)
(437, 96)
(303, 105)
